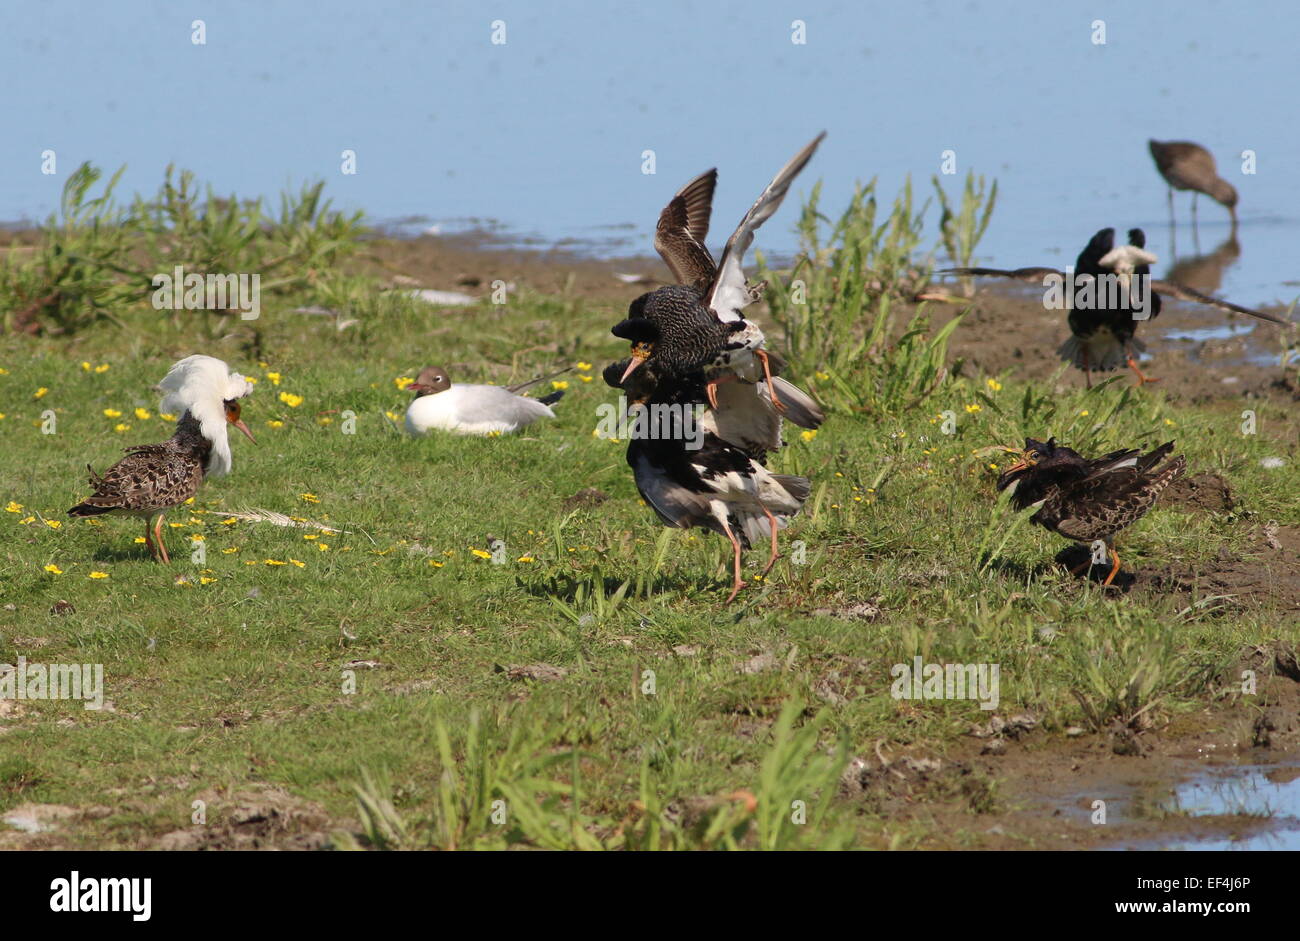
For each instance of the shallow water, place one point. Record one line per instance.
(1271, 792)
(448, 125)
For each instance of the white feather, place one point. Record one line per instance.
(473, 410)
(201, 385)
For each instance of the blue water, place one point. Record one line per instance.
(545, 133)
(1255, 790)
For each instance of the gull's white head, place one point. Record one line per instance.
(205, 387)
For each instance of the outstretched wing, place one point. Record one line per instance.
(1184, 293)
(729, 293)
(683, 227)
(1032, 275)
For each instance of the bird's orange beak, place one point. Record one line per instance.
(640, 353)
(232, 416)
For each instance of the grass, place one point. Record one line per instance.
(368, 670)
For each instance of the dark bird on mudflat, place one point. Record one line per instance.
(1188, 166)
(153, 478)
(696, 324)
(1089, 500)
(1110, 293)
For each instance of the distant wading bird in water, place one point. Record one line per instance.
(1085, 500)
(1108, 294)
(153, 478)
(1188, 166)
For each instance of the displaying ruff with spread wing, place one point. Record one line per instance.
(153, 478)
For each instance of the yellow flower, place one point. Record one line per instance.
(309, 497)
(809, 435)
(1169, 423)
(324, 420)
(139, 539)
(481, 554)
(14, 507)
(40, 393)
(142, 414)
(120, 426)
(1084, 413)
(559, 384)
(973, 408)
(393, 417)
(275, 423)
(311, 535)
(102, 367)
(994, 385)
(53, 569)
(98, 575)
(252, 379)
(229, 521)
(189, 501)
(2, 416)
(112, 413)
(822, 375)
(299, 564)
(585, 367)
(166, 416)
(291, 400)
(274, 377)
(85, 366)
(206, 580)
(230, 549)
(323, 546)
(525, 558)
(402, 382)
(436, 564)
(53, 524)
(272, 562)
(31, 519)
(585, 378)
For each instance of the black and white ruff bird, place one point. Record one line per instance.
(706, 470)
(1111, 293)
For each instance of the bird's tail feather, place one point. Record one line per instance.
(799, 405)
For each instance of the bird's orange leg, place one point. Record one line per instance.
(158, 538)
(1114, 570)
(735, 566)
(1132, 364)
(148, 540)
(767, 375)
(711, 389)
(771, 523)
